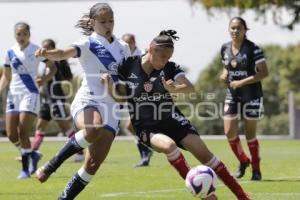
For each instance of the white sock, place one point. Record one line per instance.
(80, 139)
(84, 175)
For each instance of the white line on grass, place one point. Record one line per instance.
(115, 194)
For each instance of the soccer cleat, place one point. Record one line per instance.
(256, 176)
(145, 160)
(78, 157)
(241, 169)
(23, 175)
(35, 157)
(43, 173)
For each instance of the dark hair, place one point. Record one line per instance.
(84, 22)
(241, 20)
(23, 24)
(130, 36)
(50, 42)
(165, 38)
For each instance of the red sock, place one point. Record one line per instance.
(179, 163)
(228, 180)
(37, 140)
(237, 149)
(254, 151)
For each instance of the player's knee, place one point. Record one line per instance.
(169, 147)
(13, 138)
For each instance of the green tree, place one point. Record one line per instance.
(277, 8)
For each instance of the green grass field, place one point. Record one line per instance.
(118, 180)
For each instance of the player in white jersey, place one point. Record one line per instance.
(20, 73)
(92, 108)
(145, 152)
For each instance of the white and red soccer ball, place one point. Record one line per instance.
(201, 181)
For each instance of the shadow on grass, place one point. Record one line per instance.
(280, 180)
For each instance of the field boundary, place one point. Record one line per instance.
(132, 138)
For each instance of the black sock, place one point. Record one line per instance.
(69, 149)
(25, 161)
(73, 188)
(144, 150)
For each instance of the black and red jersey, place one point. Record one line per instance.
(240, 66)
(148, 100)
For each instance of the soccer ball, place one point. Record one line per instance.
(201, 181)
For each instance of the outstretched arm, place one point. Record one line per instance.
(56, 54)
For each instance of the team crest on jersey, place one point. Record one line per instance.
(148, 86)
(233, 63)
(113, 68)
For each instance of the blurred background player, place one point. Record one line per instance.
(244, 68)
(53, 101)
(144, 151)
(23, 103)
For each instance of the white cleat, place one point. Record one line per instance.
(23, 175)
(78, 157)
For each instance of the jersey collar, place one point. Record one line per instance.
(102, 39)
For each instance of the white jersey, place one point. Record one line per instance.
(137, 52)
(24, 68)
(97, 56)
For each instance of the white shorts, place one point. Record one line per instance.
(109, 111)
(26, 102)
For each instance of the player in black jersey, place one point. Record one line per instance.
(145, 152)
(149, 82)
(244, 68)
(53, 103)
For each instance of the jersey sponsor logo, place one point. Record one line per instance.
(238, 73)
(133, 76)
(152, 98)
(162, 73)
(148, 86)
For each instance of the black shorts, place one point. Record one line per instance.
(55, 110)
(252, 109)
(176, 127)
